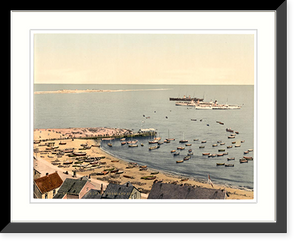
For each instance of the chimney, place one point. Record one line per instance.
(101, 189)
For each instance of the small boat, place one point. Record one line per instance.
(220, 154)
(167, 141)
(238, 145)
(193, 119)
(213, 155)
(184, 179)
(250, 158)
(122, 139)
(67, 162)
(153, 147)
(237, 133)
(183, 141)
(230, 146)
(171, 139)
(127, 176)
(181, 148)
(188, 144)
(242, 141)
(143, 166)
(122, 143)
(143, 169)
(196, 139)
(95, 145)
(148, 177)
(234, 142)
(190, 150)
(62, 143)
(176, 153)
(231, 136)
(153, 142)
(221, 150)
(214, 145)
(172, 151)
(114, 171)
(114, 160)
(250, 150)
(79, 153)
(201, 147)
(120, 172)
(103, 173)
(132, 163)
(205, 153)
(142, 144)
(133, 145)
(229, 165)
(219, 141)
(225, 153)
(243, 160)
(109, 144)
(190, 154)
(246, 152)
(203, 141)
(186, 158)
(230, 158)
(180, 161)
(153, 173)
(229, 130)
(221, 164)
(160, 143)
(222, 143)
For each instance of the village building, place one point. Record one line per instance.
(125, 191)
(74, 188)
(173, 191)
(93, 194)
(47, 186)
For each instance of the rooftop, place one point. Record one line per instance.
(48, 182)
(172, 191)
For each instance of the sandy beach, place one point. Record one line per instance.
(118, 171)
(87, 91)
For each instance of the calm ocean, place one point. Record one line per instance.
(127, 110)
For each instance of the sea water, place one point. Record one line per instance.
(148, 106)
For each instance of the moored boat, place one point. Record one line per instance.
(229, 165)
(221, 164)
(230, 158)
(180, 161)
(79, 153)
(243, 160)
(205, 153)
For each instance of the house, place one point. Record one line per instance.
(173, 191)
(47, 186)
(93, 194)
(125, 191)
(74, 188)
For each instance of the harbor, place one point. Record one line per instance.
(77, 157)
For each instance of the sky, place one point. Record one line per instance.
(98, 58)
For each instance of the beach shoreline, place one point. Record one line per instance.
(132, 172)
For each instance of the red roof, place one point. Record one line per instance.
(48, 182)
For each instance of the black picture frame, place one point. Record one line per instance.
(280, 226)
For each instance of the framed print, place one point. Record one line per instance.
(171, 123)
